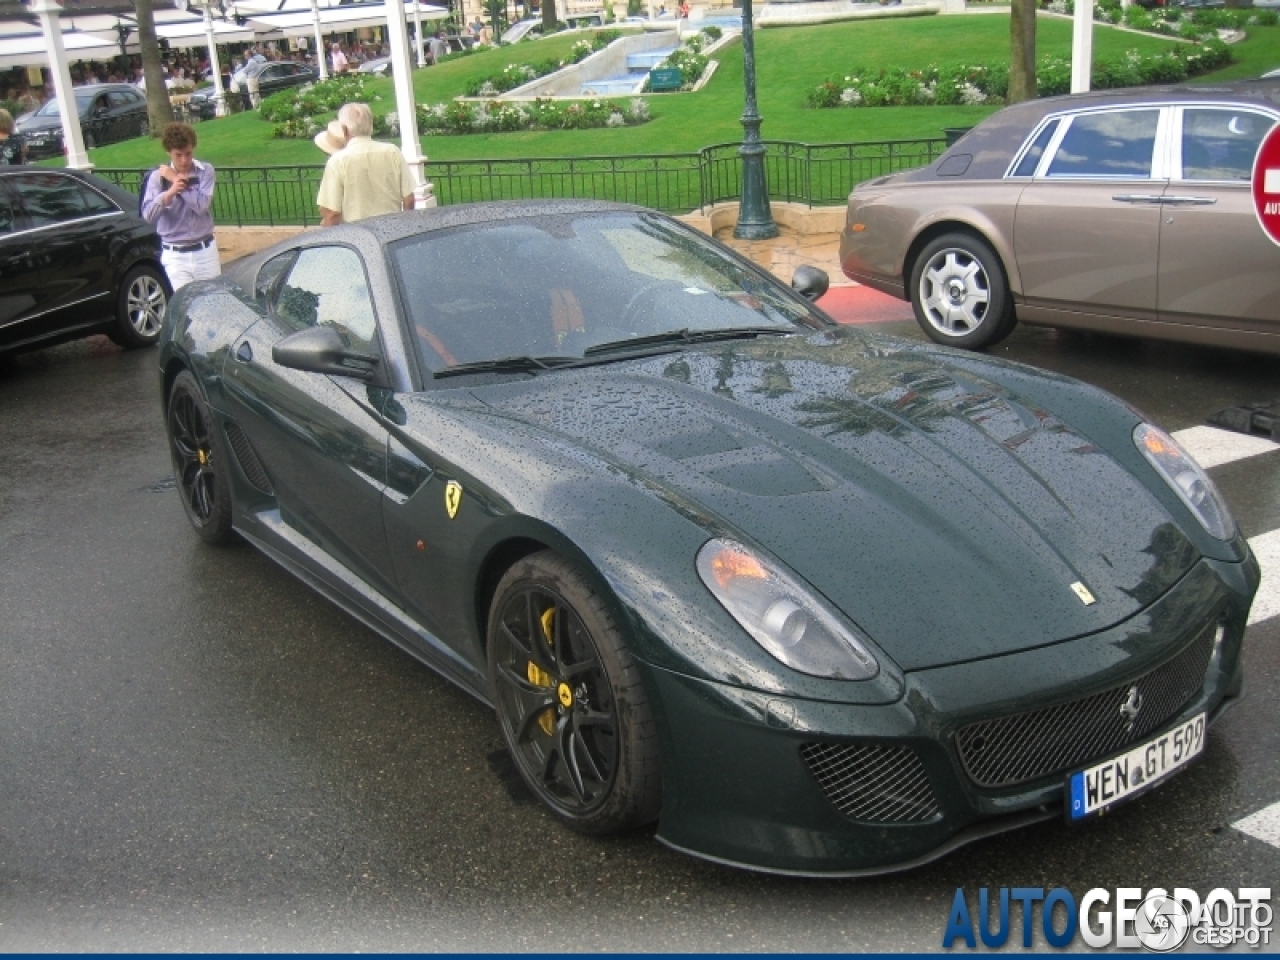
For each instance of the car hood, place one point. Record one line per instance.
(40, 125)
(944, 515)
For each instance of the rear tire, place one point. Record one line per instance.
(140, 308)
(960, 293)
(198, 462)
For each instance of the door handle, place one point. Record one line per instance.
(1138, 197)
(244, 352)
(1190, 201)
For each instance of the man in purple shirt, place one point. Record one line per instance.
(177, 198)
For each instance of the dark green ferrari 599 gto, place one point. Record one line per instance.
(816, 601)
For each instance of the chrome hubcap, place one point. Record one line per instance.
(955, 292)
(146, 306)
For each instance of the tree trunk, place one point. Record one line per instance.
(159, 110)
(548, 16)
(1022, 50)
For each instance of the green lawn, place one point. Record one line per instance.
(789, 63)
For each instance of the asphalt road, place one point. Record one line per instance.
(199, 753)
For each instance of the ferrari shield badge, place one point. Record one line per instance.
(452, 497)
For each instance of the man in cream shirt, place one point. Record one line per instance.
(364, 178)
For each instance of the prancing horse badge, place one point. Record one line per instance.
(452, 497)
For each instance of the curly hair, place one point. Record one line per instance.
(178, 136)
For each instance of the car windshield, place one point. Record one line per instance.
(581, 285)
(50, 109)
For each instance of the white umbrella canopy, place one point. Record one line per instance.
(31, 51)
(190, 33)
(297, 23)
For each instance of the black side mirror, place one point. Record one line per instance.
(321, 350)
(810, 282)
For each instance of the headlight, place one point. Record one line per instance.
(1188, 480)
(781, 615)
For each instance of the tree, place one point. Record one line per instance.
(1022, 50)
(548, 16)
(159, 110)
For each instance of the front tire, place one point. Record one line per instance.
(960, 293)
(570, 701)
(198, 463)
(140, 308)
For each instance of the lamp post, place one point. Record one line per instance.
(755, 222)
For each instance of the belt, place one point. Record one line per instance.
(188, 247)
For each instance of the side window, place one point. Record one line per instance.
(327, 286)
(1220, 144)
(1031, 159)
(6, 213)
(118, 100)
(1117, 144)
(54, 198)
(269, 273)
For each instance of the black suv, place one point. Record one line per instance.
(273, 76)
(108, 112)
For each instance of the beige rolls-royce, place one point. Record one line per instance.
(1127, 211)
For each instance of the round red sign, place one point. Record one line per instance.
(1266, 184)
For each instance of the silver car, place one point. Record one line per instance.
(1125, 211)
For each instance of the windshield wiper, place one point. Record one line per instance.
(505, 365)
(687, 336)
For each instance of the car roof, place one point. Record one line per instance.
(93, 89)
(992, 143)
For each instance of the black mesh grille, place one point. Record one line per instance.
(1011, 750)
(879, 784)
(248, 460)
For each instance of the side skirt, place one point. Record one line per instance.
(337, 584)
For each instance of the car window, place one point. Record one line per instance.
(1220, 144)
(327, 286)
(56, 198)
(119, 99)
(1116, 144)
(6, 213)
(1031, 159)
(269, 273)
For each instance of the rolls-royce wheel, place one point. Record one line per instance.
(198, 463)
(570, 701)
(960, 294)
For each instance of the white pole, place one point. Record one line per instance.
(417, 33)
(406, 107)
(77, 158)
(219, 94)
(322, 55)
(1082, 47)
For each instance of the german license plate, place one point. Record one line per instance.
(1095, 788)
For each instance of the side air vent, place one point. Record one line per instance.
(873, 783)
(254, 472)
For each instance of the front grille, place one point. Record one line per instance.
(874, 783)
(1012, 750)
(254, 472)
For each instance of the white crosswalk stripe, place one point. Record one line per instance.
(1265, 825)
(1266, 547)
(1213, 447)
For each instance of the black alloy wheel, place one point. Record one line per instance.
(197, 462)
(569, 699)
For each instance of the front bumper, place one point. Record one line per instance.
(739, 790)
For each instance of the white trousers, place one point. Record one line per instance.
(182, 268)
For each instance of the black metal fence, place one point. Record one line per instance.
(812, 174)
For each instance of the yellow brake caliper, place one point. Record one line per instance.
(539, 677)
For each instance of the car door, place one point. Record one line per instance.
(19, 274)
(271, 79)
(73, 238)
(1217, 267)
(1087, 228)
(317, 435)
